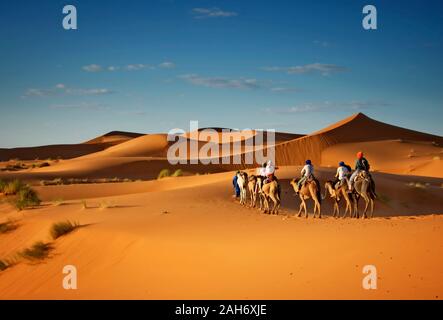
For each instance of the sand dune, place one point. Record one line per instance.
(114, 137)
(185, 238)
(355, 129)
(389, 148)
(67, 151)
(395, 156)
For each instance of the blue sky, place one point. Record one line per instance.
(151, 66)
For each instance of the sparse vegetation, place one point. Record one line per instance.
(62, 228)
(13, 187)
(418, 185)
(3, 265)
(26, 198)
(164, 174)
(3, 184)
(37, 251)
(58, 202)
(177, 173)
(20, 194)
(17, 166)
(60, 181)
(107, 205)
(7, 227)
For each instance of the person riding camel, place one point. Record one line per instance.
(361, 164)
(270, 171)
(306, 173)
(270, 175)
(262, 170)
(341, 177)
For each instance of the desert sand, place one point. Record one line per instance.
(187, 238)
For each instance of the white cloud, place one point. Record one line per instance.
(82, 105)
(212, 13)
(323, 69)
(137, 67)
(284, 89)
(128, 67)
(92, 68)
(62, 89)
(167, 65)
(220, 82)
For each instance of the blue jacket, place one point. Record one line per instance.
(237, 188)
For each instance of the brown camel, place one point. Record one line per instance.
(310, 190)
(252, 186)
(364, 189)
(336, 196)
(269, 191)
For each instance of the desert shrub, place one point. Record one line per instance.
(164, 173)
(13, 187)
(7, 227)
(3, 184)
(38, 251)
(107, 205)
(43, 164)
(58, 202)
(25, 198)
(62, 228)
(178, 173)
(3, 265)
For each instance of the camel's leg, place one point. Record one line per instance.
(336, 213)
(356, 215)
(301, 207)
(275, 201)
(306, 208)
(266, 202)
(372, 207)
(367, 200)
(318, 206)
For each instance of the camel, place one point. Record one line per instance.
(269, 191)
(336, 194)
(242, 178)
(310, 190)
(364, 189)
(259, 193)
(252, 187)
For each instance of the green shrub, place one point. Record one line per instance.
(3, 185)
(62, 228)
(38, 251)
(164, 173)
(26, 198)
(178, 173)
(12, 188)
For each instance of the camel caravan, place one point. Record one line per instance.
(349, 187)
